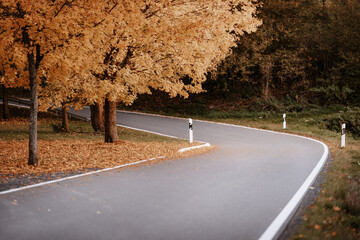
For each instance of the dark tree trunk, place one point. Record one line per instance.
(65, 118)
(33, 157)
(6, 113)
(97, 117)
(267, 75)
(265, 90)
(110, 122)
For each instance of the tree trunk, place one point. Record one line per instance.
(265, 90)
(267, 75)
(33, 157)
(6, 114)
(65, 118)
(110, 122)
(97, 117)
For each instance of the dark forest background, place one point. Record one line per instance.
(306, 53)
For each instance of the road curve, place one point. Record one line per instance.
(237, 191)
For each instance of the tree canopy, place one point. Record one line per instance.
(84, 51)
(144, 45)
(117, 49)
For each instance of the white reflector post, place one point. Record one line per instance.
(343, 130)
(191, 136)
(284, 124)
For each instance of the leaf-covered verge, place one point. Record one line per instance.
(73, 155)
(79, 151)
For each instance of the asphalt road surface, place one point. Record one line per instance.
(233, 192)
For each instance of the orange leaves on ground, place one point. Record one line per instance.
(336, 209)
(317, 227)
(73, 155)
(14, 121)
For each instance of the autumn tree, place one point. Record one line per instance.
(110, 50)
(144, 45)
(5, 104)
(97, 117)
(39, 41)
(5, 95)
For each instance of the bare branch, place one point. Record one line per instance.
(97, 24)
(127, 58)
(66, 3)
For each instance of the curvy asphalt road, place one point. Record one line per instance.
(233, 192)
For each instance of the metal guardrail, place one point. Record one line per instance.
(26, 102)
(20, 100)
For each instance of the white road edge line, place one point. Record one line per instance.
(77, 176)
(142, 130)
(101, 170)
(161, 134)
(290, 208)
(283, 217)
(195, 147)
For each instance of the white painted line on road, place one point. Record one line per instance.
(142, 130)
(77, 176)
(279, 223)
(195, 147)
(156, 133)
(284, 216)
(148, 114)
(102, 170)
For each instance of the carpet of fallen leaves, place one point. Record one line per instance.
(75, 155)
(15, 121)
(20, 121)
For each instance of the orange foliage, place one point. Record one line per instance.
(73, 155)
(96, 49)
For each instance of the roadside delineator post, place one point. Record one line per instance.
(284, 123)
(343, 131)
(191, 136)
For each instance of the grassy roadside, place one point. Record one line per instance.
(335, 214)
(80, 150)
